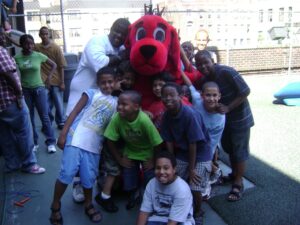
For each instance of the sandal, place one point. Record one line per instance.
(56, 220)
(92, 213)
(236, 193)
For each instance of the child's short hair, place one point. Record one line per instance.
(210, 84)
(24, 37)
(135, 97)
(174, 85)
(164, 76)
(125, 67)
(165, 154)
(105, 70)
(204, 53)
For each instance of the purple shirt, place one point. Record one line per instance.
(7, 94)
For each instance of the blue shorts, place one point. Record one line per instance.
(236, 144)
(131, 176)
(77, 160)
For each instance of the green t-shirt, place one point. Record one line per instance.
(140, 136)
(30, 69)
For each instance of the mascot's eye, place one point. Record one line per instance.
(159, 34)
(140, 33)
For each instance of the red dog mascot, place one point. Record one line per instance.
(154, 47)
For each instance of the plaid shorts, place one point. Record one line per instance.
(203, 169)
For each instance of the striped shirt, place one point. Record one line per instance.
(7, 94)
(232, 85)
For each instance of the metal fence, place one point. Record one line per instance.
(247, 40)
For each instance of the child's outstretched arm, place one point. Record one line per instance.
(77, 109)
(185, 79)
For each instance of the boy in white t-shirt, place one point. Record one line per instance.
(167, 198)
(81, 140)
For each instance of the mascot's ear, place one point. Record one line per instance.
(127, 42)
(174, 50)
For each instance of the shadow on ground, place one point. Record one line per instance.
(274, 201)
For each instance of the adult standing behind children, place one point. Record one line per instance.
(29, 63)
(15, 128)
(100, 51)
(201, 40)
(234, 104)
(57, 85)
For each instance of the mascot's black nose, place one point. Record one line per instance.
(148, 51)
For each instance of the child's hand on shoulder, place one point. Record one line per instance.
(223, 109)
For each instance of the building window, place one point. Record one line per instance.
(34, 33)
(261, 16)
(33, 16)
(74, 32)
(95, 31)
(270, 15)
(281, 15)
(74, 15)
(290, 14)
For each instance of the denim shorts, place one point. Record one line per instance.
(236, 144)
(77, 160)
(203, 169)
(132, 175)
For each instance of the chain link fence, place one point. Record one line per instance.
(250, 41)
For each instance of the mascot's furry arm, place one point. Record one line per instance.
(154, 48)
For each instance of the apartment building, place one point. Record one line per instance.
(230, 23)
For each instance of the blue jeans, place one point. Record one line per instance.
(16, 138)
(37, 97)
(131, 176)
(9, 4)
(55, 98)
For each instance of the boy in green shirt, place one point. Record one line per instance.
(140, 137)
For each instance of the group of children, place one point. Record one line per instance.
(170, 146)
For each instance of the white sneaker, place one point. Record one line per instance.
(35, 148)
(77, 192)
(51, 149)
(35, 169)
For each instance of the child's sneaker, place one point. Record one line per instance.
(35, 169)
(35, 148)
(107, 204)
(51, 148)
(77, 192)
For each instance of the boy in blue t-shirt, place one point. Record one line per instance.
(207, 105)
(81, 140)
(185, 135)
